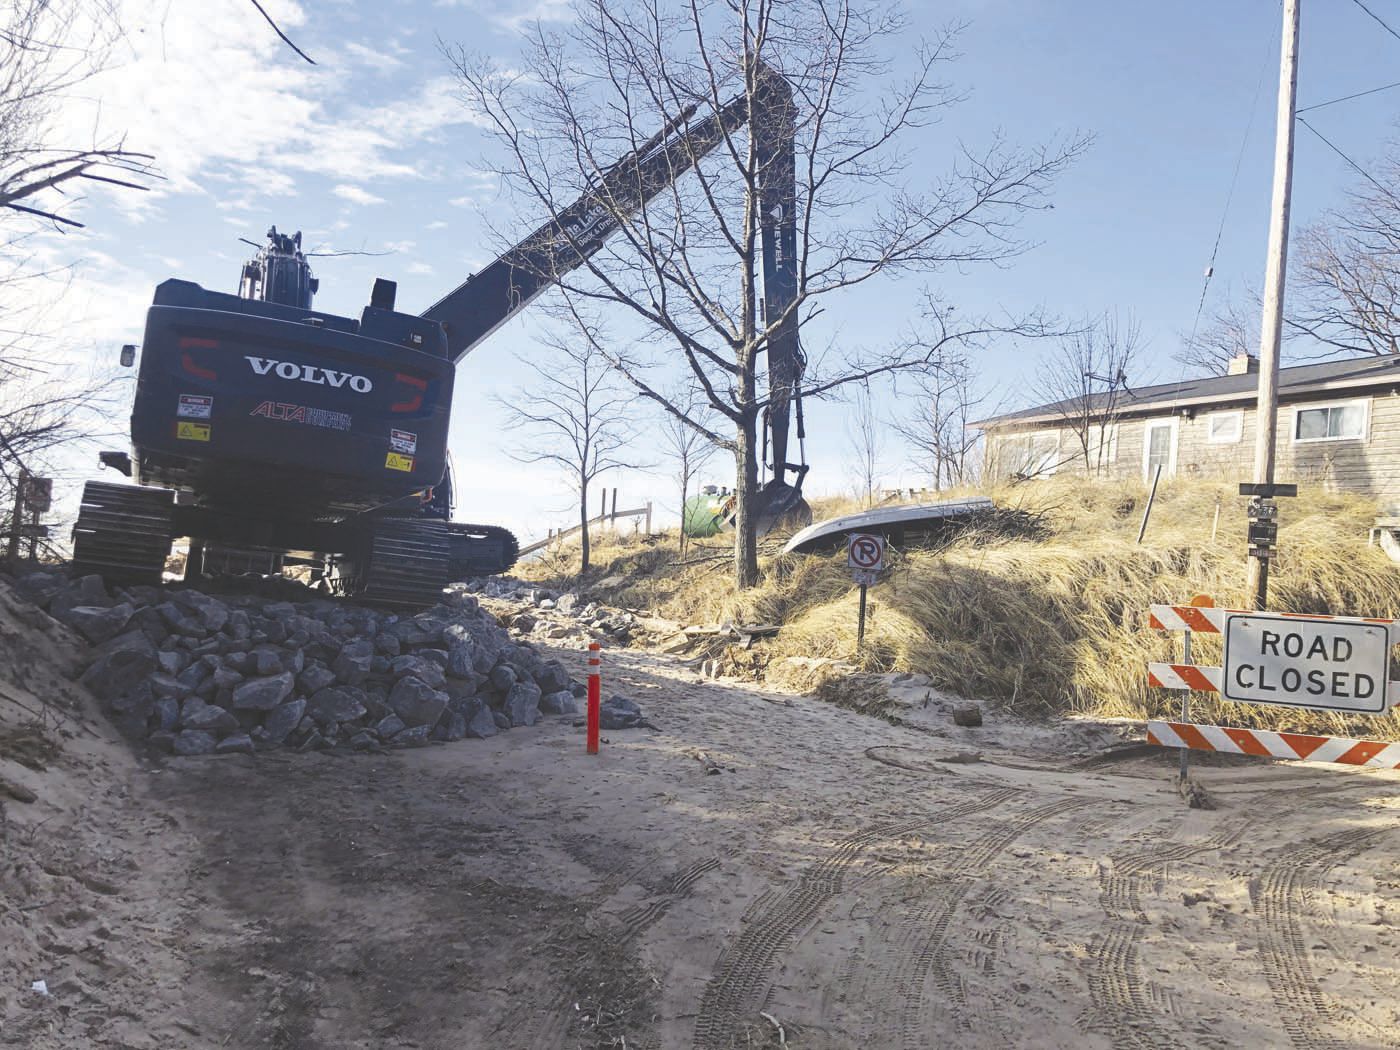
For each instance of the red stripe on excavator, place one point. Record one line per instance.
(414, 403)
(194, 369)
(190, 341)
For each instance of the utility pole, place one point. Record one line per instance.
(1275, 272)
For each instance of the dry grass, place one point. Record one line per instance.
(1046, 625)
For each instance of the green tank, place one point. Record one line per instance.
(706, 513)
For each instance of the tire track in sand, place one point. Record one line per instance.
(740, 981)
(1280, 897)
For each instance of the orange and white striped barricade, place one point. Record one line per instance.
(1326, 663)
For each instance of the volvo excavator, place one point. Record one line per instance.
(270, 433)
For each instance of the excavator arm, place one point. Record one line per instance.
(488, 299)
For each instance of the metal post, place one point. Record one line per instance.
(649, 516)
(17, 518)
(1215, 525)
(860, 623)
(1275, 272)
(613, 520)
(1147, 510)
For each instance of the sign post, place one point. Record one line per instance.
(865, 555)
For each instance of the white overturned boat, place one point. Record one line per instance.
(899, 525)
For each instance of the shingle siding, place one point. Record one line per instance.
(1369, 466)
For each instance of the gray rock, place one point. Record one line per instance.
(165, 714)
(239, 626)
(337, 704)
(314, 742)
(161, 740)
(567, 604)
(503, 677)
(315, 677)
(281, 720)
(426, 671)
(235, 744)
(969, 715)
(523, 704)
(195, 742)
(414, 736)
(618, 712)
(459, 662)
(363, 740)
(560, 702)
(265, 660)
(482, 724)
(99, 623)
(279, 610)
(455, 728)
(180, 621)
(196, 714)
(211, 613)
(41, 587)
(114, 673)
(263, 694)
(86, 590)
(226, 678)
(167, 686)
(551, 677)
(352, 665)
(420, 630)
(389, 726)
(501, 719)
(416, 702)
(172, 663)
(387, 644)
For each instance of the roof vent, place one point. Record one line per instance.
(1243, 364)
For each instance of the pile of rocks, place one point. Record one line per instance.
(197, 674)
(556, 616)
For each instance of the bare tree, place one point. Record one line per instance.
(936, 432)
(685, 446)
(47, 48)
(864, 441)
(686, 270)
(1230, 332)
(574, 416)
(1086, 380)
(1347, 274)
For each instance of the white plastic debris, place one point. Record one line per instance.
(42, 987)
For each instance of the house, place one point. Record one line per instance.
(1338, 424)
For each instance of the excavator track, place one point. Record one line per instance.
(123, 533)
(407, 563)
(482, 550)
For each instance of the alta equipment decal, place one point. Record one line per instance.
(309, 374)
(312, 417)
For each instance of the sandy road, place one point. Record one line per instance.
(837, 875)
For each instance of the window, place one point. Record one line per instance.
(1158, 447)
(1224, 428)
(1032, 455)
(1343, 421)
(1102, 451)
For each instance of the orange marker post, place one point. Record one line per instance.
(595, 695)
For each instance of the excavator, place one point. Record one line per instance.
(272, 434)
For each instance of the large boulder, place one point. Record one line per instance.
(195, 742)
(560, 702)
(120, 664)
(552, 677)
(98, 623)
(426, 671)
(315, 677)
(482, 724)
(352, 665)
(196, 714)
(281, 720)
(262, 694)
(522, 704)
(337, 703)
(417, 703)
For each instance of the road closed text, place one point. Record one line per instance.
(1323, 664)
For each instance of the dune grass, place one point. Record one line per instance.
(1046, 624)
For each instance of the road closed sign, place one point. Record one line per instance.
(1325, 664)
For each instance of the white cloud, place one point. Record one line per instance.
(356, 195)
(419, 268)
(400, 246)
(436, 224)
(376, 60)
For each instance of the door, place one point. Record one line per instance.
(1159, 448)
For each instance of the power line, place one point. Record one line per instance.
(1378, 18)
(1335, 149)
(1348, 98)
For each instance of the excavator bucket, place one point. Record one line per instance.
(780, 505)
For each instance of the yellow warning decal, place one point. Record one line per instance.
(394, 461)
(186, 431)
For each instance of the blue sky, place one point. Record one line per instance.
(370, 149)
